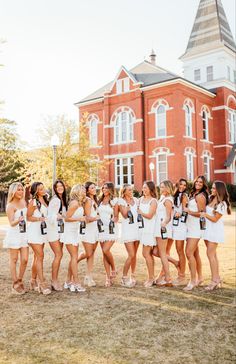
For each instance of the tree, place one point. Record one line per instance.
(11, 163)
(75, 163)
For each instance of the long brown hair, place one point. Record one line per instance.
(177, 192)
(111, 188)
(87, 185)
(63, 197)
(204, 189)
(152, 188)
(222, 195)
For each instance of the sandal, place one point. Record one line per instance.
(55, 286)
(33, 284)
(22, 285)
(17, 288)
(165, 283)
(113, 275)
(213, 285)
(149, 283)
(190, 286)
(44, 289)
(126, 282)
(108, 282)
(133, 280)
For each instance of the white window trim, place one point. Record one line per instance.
(232, 126)
(121, 171)
(129, 129)
(186, 121)
(208, 164)
(157, 166)
(207, 125)
(189, 173)
(156, 122)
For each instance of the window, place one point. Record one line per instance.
(188, 121)
(205, 125)
(161, 167)
(197, 75)
(232, 125)
(124, 171)
(209, 71)
(228, 73)
(189, 164)
(93, 131)
(123, 131)
(160, 121)
(206, 167)
(122, 85)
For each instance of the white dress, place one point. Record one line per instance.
(147, 233)
(91, 230)
(52, 222)
(105, 211)
(129, 232)
(180, 231)
(34, 229)
(215, 230)
(161, 215)
(14, 239)
(193, 223)
(71, 233)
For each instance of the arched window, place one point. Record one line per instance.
(232, 125)
(205, 125)
(206, 164)
(161, 167)
(188, 121)
(93, 129)
(190, 154)
(160, 121)
(123, 126)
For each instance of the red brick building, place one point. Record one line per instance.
(151, 123)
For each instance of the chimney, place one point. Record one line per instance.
(153, 57)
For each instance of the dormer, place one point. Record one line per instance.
(124, 82)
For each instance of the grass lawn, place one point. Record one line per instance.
(117, 325)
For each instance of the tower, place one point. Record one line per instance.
(209, 59)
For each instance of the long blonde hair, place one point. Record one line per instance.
(169, 186)
(75, 194)
(123, 189)
(12, 190)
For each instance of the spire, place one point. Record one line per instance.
(211, 28)
(153, 57)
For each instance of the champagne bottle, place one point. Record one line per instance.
(140, 221)
(61, 226)
(163, 232)
(202, 223)
(175, 220)
(111, 226)
(43, 227)
(82, 227)
(100, 224)
(130, 216)
(184, 216)
(22, 224)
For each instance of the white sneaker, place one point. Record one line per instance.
(88, 281)
(67, 285)
(79, 288)
(72, 288)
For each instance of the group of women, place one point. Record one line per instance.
(154, 223)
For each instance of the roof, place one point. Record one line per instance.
(210, 29)
(144, 72)
(231, 156)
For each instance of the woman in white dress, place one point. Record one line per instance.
(56, 213)
(180, 231)
(129, 232)
(197, 203)
(16, 238)
(108, 212)
(72, 237)
(147, 209)
(218, 206)
(37, 234)
(164, 221)
(90, 238)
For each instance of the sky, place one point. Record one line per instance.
(59, 51)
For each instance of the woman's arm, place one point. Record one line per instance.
(214, 218)
(53, 210)
(71, 209)
(30, 211)
(10, 214)
(168, 205)
(116, 212)
(201, 205)
(152, 210)
(87, 211)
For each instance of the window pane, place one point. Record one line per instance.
(162, 157)
(209, 73)
(197, 75)
(161, 121)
